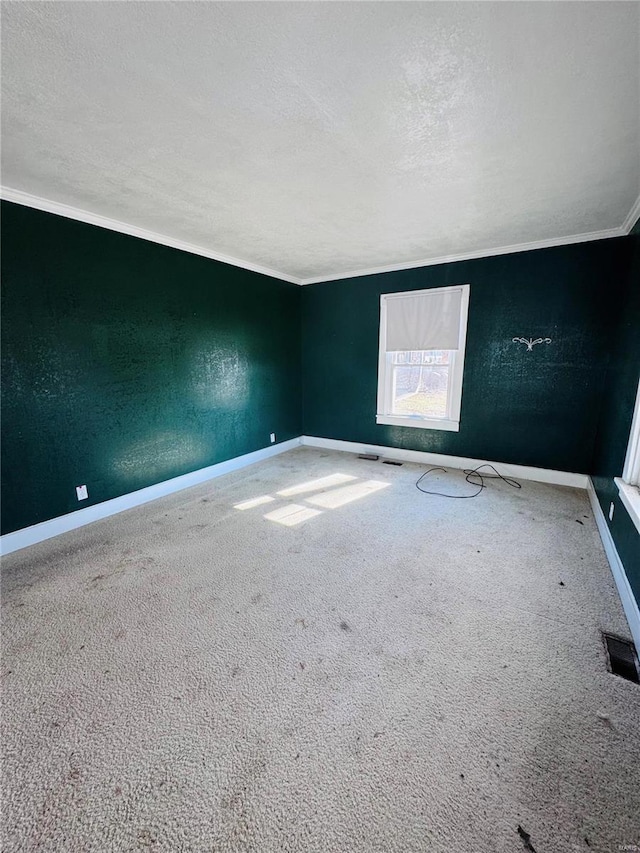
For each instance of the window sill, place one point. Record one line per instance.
(630, 497)
(419, 423)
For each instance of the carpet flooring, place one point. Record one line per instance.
(311, 655)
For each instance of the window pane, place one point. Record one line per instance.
(420, 382)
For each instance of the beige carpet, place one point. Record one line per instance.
(350, 666)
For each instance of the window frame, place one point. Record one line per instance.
(631, 471)
(629, 484)
(450, 423)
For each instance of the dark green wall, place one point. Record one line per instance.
(126, 363)
(532, 408)
(616, 415)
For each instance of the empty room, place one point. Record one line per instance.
(320, 427)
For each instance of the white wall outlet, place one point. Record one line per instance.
(82, 493)
(272, 437)
(611, 509)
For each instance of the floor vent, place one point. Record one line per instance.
(623, 658)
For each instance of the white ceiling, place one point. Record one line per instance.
(317, 138)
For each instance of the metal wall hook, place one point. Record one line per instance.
(531, 342)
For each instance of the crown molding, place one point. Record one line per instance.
(28, 200)
(480, 253)
(632, 217)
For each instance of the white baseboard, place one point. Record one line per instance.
(629, 603)
(62, 524)
(524, 472)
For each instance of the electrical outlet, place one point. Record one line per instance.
(272, 437)
(82, 493)
(611, 509)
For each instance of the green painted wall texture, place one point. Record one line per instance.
(532, 408)
(126, 363)
(616, 414)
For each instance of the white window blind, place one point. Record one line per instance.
(421, 357)
(426, 321)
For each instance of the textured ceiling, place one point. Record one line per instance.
(319, 138)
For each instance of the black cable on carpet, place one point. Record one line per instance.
(468, 472)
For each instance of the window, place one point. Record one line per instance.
(631, 473)
(422, 340)
(629, 485)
